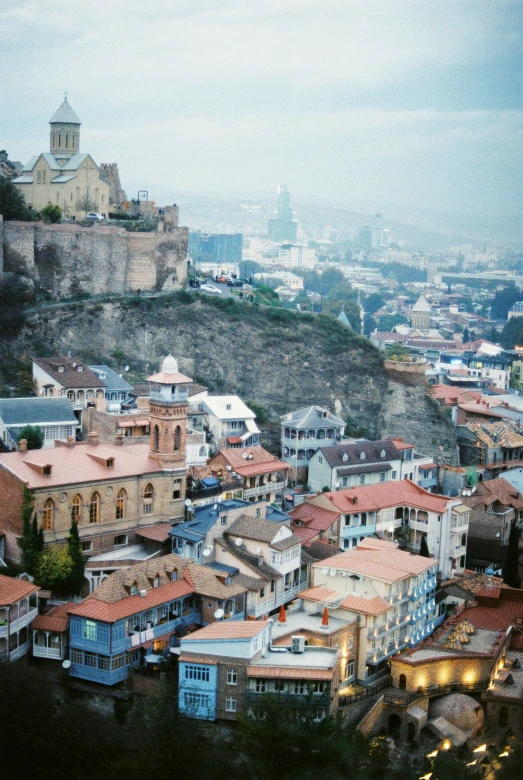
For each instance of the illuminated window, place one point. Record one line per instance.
(48, 515)
(121, 502)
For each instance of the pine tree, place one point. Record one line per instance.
(74, 548)
(466, 335)
(28, 542)
(424, 548)
(511, 568)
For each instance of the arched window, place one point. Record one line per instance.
(503, 717)
(177, 437)
(48, 515)
(403, 682)
(156, 438)
(76, 509)
(67, 140)
(203, 451)
(94, 508)
(59, 139)
(148, 499)
(121, 501)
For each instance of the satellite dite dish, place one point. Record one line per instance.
(207, 552)
(325, 570)
(188, 502)
(333, 572)
(66, 664)
(219, 614)
(215, 507)
(245, 456)
(239, 542)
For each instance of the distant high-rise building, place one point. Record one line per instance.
(216, 247)
(372, 237)
(284, 227)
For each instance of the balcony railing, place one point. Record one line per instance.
(268, 487)
(428, 482)
(356, 530)
(47, 652)
(15, 625)
(262, 608)
(18, 652)
(98, 675)
(160, 629)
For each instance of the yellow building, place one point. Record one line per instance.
(63, 176)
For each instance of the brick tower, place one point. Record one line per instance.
(168, 400)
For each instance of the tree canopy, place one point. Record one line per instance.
(33, 435)
(12, 202)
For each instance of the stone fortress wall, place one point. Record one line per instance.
(67, 260)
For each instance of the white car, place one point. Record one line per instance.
(94, 217)
(208, 288)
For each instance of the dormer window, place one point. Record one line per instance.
(110, 462)
(228, 407)
(156, 581)
(382, 454)
(345, 458)
(362, 456)
(60, 369)
(46, 470)
(174, 575)
(133, 590)
(80, 368)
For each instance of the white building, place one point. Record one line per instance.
(18, 608)
(297, 256)
(230, 421)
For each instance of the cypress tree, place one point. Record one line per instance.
(28, 542)
(424, 548)
(74, 548)
(511, 568)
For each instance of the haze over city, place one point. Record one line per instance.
(360, 103)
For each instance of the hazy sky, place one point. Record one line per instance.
(417, 102)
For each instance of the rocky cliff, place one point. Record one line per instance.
(279, 359)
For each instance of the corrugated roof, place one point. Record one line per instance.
(75, 464)
(228, 629)
(32, 411)
(158, 533)
(65, 115)
(23, 180)
(75, 162)
(63, 178)
(12, 590)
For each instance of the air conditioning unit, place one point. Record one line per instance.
(143, 593)
(298, 644)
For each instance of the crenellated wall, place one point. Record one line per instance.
(68, 260)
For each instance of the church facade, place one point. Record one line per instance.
(64, 176)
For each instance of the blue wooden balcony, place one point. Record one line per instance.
(428, 483)
(98, 675)
(156, 631)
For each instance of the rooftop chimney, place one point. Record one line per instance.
(93, 438)
(70, 441)
(118, 439)
(22, 445)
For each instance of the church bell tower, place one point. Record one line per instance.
(64, 139)
(168, 404)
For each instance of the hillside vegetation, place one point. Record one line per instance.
(279, 359)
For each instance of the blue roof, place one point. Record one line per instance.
(277, 515)
(183, 532)
(204, 517)
(210, 481)
(111, 379)
(34, 411)
(232, 570)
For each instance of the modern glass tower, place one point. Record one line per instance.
(284, 226)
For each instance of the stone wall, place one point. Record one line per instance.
(68, 260)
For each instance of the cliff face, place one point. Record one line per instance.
(277, 358)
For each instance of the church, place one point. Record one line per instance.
(63, 176)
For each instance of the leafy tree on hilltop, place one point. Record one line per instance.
(33, 435)
(12, 202)
(503, 302)
(372, 303)
(512, 333)
(51, 213)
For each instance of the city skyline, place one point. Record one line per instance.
(415, 104)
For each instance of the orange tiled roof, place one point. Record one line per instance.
(110, 613)
(372, 498)
(382, 564)
(315, 516)
(373, 606)
(12, 590)
(169, 379)
(230, 629)
(79, 463)
(452, 395)
(56, 619)
(495, 618)
(317, 593)
(198, 658)
(248, 461)
(158, 533)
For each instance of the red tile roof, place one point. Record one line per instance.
(386, 494)
(373, 606)
(240, 460)
(315, 516)
(79, 463)
(382, 564)
(402, 445)
(110, 613)
(12, 590)
(158, 533)
(56, 619)
(229, 629)
(304, 534)
(495, 618)
(169, 379)
(452, 395)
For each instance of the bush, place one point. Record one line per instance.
(33, 435)
(51, 214)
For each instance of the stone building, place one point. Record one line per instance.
(420, 314)
(109, 490)
(63, 176)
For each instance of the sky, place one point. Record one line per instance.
(413, 102)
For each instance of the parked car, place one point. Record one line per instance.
(208, 288)
(235, 283)
(95, 217)
(222, 279)
(194, 283)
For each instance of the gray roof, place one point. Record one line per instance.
(334, 454)
(75, 161)
(260, 530)
(23, 180)
(112, 380)
(63, 178)
(370, 468)
(65, 115)
(312, 417)
(31, 163)
(31, 411)
(256, 562)
(51, 161)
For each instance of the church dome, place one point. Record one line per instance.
(461, 710)
(169, 365)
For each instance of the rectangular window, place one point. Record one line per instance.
(196, 700)
(177, 488)
(299, 687)
(87, 546)
(223, 520)
(382, 476)
(193, 672)
(118, 661)
(349, 670)
(320, 459)
(90, 660)
(232, 677)
(279, 686)
(362, 479)
(147, 508)
(120, 540)
(77, 657)
(104, 663)
(90, 630)
(318, 687)
(260, 686)
(230, 704)
(350, 643)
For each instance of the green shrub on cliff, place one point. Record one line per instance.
(12, 203)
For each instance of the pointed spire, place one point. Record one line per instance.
(282, 617)
(325, 618)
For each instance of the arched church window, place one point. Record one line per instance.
(148, 498)
(121, 500)
(48, 515)
(59, 139)
(67, 140)
(76, 509)
(94, 508)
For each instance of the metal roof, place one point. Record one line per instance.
(31, 163)
(311, 417)
(63, 178)
(34, 411)
(111, 379)
(23, 180)
(65, 115)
